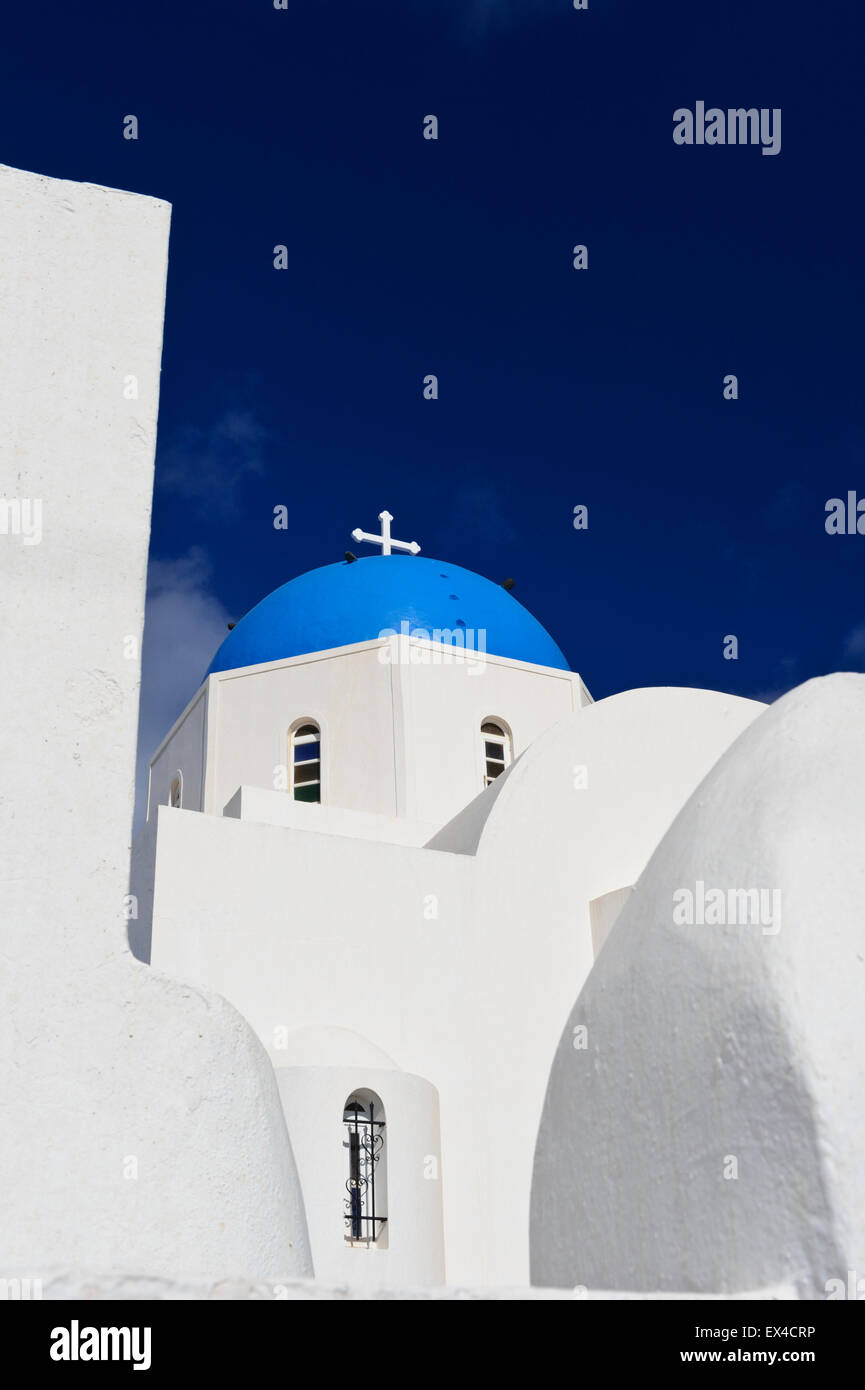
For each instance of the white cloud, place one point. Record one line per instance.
(184, 623)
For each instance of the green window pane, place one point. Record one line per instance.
(311, 792)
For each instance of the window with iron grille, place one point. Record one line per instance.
(496, 749)
(306, 763)
(365, 1203)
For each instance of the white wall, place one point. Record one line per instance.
(442, 706)
(275, 808)
(142, 1131)
(347, 692)
(714, 1045)
(548, 849)
(302, 929)
(299, 928)
(83, 276)
(185, 752)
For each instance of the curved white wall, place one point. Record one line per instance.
(141, 1131)
(549, 847)
(710, 1137)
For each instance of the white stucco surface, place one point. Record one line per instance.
(275, 808)
(73, 1284)
(462, 966)
(321, 1045)
(710, 1136)
(140, 1127)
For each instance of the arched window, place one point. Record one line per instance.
(365, 1202)
(497, 749)
(305, 763)
(175, 793)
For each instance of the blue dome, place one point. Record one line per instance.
(357, 601)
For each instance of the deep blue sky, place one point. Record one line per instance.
(303, 387)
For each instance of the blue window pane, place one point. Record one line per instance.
(305, 752)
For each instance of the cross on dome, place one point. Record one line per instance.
(384, 540)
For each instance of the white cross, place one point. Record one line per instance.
(384, 540)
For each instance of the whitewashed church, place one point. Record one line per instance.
(393, 829)
(412, 999)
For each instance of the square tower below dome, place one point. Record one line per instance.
(396, 727)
